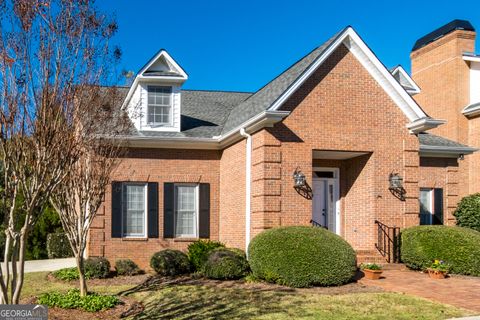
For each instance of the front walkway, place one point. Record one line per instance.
(459, 291)
(47, 265)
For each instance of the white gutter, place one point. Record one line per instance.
(248, 185)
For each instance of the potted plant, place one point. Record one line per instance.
(372, 271)
(438, 269)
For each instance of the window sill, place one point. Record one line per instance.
(185, 239)
(134, 239)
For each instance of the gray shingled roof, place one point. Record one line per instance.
(203, 113)
(266, 96)
(431, 140)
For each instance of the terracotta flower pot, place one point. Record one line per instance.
(372, 274)
(436, 274)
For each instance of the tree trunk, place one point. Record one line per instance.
(81, 272)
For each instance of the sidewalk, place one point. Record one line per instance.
(459, 291)
(47, 265)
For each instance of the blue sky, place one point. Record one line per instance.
(241, 45)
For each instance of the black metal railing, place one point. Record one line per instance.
(388, 242)
(316, 224)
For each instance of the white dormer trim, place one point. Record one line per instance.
(136, 101)
(379, 72)
(414, 87)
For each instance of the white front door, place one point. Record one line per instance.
(325, 199)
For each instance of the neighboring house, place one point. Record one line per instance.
(220, 165)
(447, 70)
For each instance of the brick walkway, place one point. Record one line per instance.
(459, 291)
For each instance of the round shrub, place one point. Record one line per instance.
(58, 246)
(225, 264)
(468, 212)
(170, 262)
(458, 247)
(302, 256)
(198, 252)
(126, 267)
(97, 267)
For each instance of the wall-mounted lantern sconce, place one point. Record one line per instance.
(396, 186)
(298, 178)
(461, 157)
(300, 185)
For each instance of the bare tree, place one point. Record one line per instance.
(48, 50)
(78, 199)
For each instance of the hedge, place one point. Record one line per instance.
(301, 256)
(468, 212)
(170, 262)
(458, 247)
(199, 251)
(223, 263)
(58, 246)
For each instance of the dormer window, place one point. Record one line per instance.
(159, 106)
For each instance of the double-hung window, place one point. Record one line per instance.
(186, 211)
(134, 209)
(159, 105)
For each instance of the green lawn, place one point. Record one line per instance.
(197, 301)
(37, 283)
(202, 302)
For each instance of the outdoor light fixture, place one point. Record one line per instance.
(396, 186)
(396, 181)
(298, 178)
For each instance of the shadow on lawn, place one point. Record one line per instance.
(189, 298)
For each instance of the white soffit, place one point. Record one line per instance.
(336, 155)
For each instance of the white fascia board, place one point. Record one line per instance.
(416, 88)
(368, 59)
(169, 58)
(264, 119)
(471, 58)
(471, 112)
(447, 152)
(424, 124)
(163, 79)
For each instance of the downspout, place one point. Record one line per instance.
(248, 185)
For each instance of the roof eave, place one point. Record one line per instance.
(424, 124)
(444, 151)
(471, 112)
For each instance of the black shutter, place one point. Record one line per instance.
(152, 210)
(204, 218)
(116, 209)
(168, 205)
(438, 206)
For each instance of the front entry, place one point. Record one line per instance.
(326, 198)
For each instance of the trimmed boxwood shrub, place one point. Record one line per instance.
(199, 251)
(97, 267)
(468, 212)
(223, 263)
(458, 247)
(302, 256)
(170, 262)
(126, 267)
(58, 246)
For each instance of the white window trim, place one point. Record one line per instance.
(170, 115)
(145, 229)
(432, 199)
(197, 211)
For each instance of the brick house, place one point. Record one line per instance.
(220, 165)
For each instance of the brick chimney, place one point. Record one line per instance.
(443, 76)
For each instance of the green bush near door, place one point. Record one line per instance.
(458, 247)
(301, 256)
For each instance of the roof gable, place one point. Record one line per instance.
(405, 80)
(275, 93)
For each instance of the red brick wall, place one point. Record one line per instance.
(441, 173)
(443, 77)
(156, 165)
(232, 195)
(341, 107)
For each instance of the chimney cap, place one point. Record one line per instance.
(442, 31)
